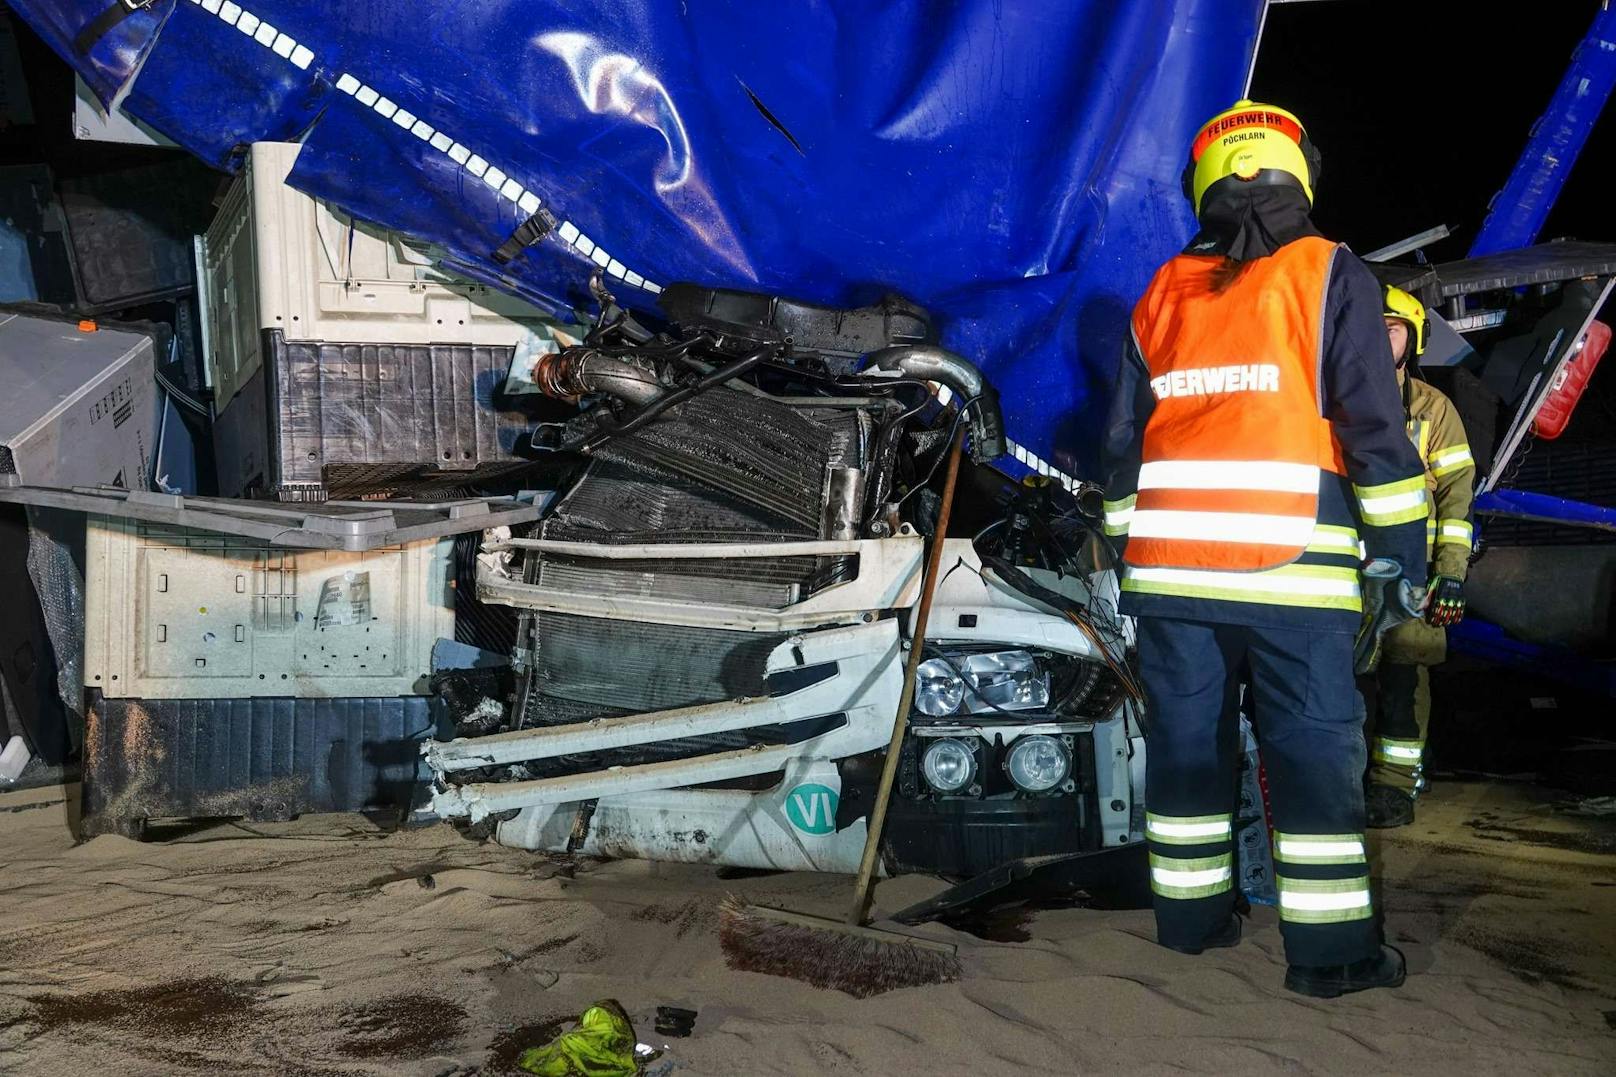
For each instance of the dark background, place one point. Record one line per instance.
(1421, 108)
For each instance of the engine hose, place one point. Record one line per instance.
(610, 428)
(933, 363)
(579, 370)
(886, 455)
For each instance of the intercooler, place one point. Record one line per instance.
(726, 466)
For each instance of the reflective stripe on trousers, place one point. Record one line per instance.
(1191, 877)
(1314, 754)
(1402, 752)
(1324, 901)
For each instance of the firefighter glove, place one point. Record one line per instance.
(1446, 605)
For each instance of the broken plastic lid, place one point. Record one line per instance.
(328, 525)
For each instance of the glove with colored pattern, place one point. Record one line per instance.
(1446, 604)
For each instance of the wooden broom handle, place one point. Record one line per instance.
(862, 890)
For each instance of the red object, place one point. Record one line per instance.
(1569, 384)
(86, 326)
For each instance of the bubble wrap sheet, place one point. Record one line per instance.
(58, 575)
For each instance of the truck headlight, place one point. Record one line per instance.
(1006, 680)
(938, 689)
(948, 765)
(1038, 763)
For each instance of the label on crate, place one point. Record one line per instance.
(344, 600)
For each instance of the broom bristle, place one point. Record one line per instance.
(858, 965)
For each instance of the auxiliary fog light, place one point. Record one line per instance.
(1038, 763)
(948, 765)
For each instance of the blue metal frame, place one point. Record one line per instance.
(1486, 641)
(1525, 505)
(1516, 213)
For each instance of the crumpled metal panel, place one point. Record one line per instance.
(1011, 166)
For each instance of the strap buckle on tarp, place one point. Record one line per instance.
(528, 233)
(102, 24)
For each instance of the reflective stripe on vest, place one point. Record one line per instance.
(1318, 586)
(1234, 447)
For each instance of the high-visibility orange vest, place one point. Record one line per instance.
(1229, 476)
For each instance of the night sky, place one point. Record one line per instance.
(1421, 109)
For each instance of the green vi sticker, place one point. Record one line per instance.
(811, 807)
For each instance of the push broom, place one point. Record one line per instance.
(849, 955)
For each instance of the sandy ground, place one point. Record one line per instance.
(327, 946)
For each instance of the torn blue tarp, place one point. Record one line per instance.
(1012, 165)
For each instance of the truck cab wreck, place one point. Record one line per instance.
(715, 612)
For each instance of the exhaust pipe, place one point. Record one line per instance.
(932, 363)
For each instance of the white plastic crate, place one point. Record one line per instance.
(174, 613)
(275, 258)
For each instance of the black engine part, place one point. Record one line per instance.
(835, 335)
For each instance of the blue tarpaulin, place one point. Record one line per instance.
(1012, 165)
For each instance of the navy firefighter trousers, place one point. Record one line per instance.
(1313, 751)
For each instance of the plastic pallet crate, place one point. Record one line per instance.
(172, 613)
(333, 345)
(264, 759)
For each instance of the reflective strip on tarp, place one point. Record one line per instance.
(809, 150)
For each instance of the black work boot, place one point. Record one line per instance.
(1388, 807)
(1385, 969)
(1227, 935)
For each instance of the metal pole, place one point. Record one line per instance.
(1517, 213)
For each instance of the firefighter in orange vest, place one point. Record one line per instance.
(1255, 438)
